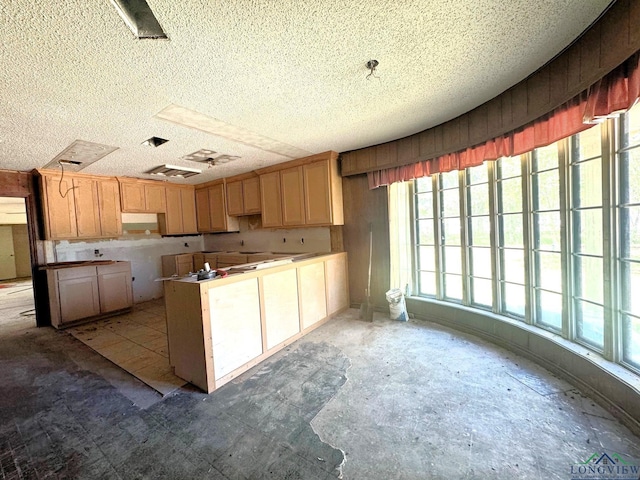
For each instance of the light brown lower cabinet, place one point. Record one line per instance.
(218, 329)
(86, 292)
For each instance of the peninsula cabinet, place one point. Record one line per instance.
(142, 196)
(217, 329)
(87, 291)
(79, 206)
(211, 209)
(180, 214)
(303, 192)
(243, 195)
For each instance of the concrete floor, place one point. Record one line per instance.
(381, 400)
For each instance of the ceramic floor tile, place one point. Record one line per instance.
(143, 335)
(144, 360)
(99, 339)
(122, 352)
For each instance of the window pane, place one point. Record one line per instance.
(631, 340)
(549, 309)
(546, 231)
(425, 232)
(452, 263)
(450, 203)
(546, 187)
(509, 167)
(630, 287)
(630, 176)
(545, 158)
(511, 230)
(453, 287)
(513, 265)
(549, 271)
(510, 195)
(425, 205)
(423, 184)
(477, 174)
(631, 127)
(513, 299)
(630, 232)
(480, 231)
(587, 231)
(451, 231)
(590, 319)
(481, 292)
(589, 142)
(449, 179)
(480, 262)
(427, 283)
(587, 184)
(479, 200)
(588, 276)
(426, 258)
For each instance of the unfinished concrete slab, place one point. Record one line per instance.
(362, 400)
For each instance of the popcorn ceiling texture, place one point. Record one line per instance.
(291, 71)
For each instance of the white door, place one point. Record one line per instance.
(7, 255)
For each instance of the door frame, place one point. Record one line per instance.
(24, 185)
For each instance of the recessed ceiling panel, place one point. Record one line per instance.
(192, 119)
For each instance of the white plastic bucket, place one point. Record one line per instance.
(397, 305)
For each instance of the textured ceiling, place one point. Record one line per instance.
(274, 77)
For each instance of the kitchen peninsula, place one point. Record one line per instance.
(219, 328)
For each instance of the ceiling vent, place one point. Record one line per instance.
(210, 157)
(139, 18)
(154, 142)
(174, 171)
(80, 154)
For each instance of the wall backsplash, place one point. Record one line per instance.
(143, 253)
(251, 238)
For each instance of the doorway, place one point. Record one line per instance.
(17, 306)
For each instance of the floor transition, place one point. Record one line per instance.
(382, 400)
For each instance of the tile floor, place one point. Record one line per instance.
(136, 342)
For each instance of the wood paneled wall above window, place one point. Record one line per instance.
(603, 47)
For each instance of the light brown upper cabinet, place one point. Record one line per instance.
(80, 206)
(142, 196)
(211, 209)
(292, 186)
(303, 192)
(180, 215)
(271, 199)
(243, 195)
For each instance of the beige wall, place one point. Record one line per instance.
(21, 251)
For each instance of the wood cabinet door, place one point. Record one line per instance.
(114, 285)
(154, 197)
(235, 204)
(60, 208)
(132, 197)
(251, 195)
(173, 214)
(317, 189)
(292, 196)
(217, 208)
(184, 264)
(203, 215)
(79, 298)
(85, 192)
(109, 207)
(271, 199)
(188, 203)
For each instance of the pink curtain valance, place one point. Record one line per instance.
(613, 94)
